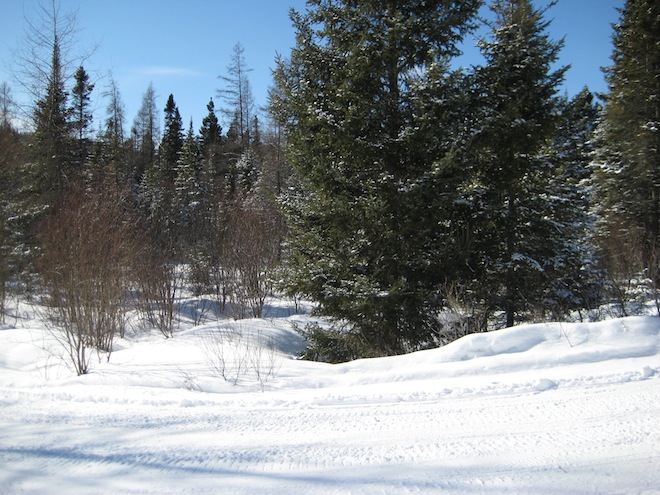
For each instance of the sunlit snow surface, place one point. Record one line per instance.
(539, 409)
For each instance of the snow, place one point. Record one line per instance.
(544, 409)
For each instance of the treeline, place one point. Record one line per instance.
(414, 202)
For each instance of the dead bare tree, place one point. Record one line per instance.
(46, 27)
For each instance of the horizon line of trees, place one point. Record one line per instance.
(414, 203)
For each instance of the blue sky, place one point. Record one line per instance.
(182, 46)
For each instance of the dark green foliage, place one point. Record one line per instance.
(52, 135)
(518, 117)
(629, 179)
(355, 102)
(171, 144)
(158, 185)
(420, 202)
(210, 134)
(12, 216)
(81, 116)
(188, 198)
(574, 278)
(331, 345)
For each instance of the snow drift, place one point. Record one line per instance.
(226, 408)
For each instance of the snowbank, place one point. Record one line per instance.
(226, 408)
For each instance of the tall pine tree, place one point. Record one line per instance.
(210, 134)
(187, 190)
(517, 88)
(349, 97)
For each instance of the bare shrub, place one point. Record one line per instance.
(251, 253)
(237, 355)
(222, 362)
(208, 273)
(159, 281)
(624, 264)
(88, 245)
(462, 313)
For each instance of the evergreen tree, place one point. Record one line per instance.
(574, 278)
(517, 88)
(210, 134)
(187, 187)
(233, 133)
(159, 187)
(629, 140)
(210, 149)
(81, 114)
(10, 208)
(256, 132)
(247, 171)
(350, 98)
(52, 133)
(171, 144)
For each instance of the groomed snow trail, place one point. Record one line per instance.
(547, 442)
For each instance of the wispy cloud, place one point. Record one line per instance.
(158, 70)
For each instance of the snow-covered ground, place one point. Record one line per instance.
(225, 408)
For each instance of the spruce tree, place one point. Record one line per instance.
(574, 278)
(159, 184)
(349, 97)
(629, 141)
(210, 134)
(187, 191)
(52, 134)
(171, 144)
(517, 88)
(210, 149)
(81, 114)
(11, 211)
